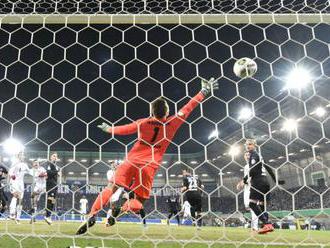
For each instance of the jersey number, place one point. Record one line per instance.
(156, 131)
(192, 183)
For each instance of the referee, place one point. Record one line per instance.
(51, 186)
(192, 186)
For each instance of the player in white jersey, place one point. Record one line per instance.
(186, 211)
(83, 208)
(39, 175)
(16, 182)
(246, 190)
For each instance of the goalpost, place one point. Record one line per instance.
(66, 66)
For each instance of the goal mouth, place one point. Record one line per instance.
(70, 71)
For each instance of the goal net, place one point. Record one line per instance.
(67, 66)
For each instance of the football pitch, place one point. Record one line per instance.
(61, 234)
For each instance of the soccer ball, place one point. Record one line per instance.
(245, 67)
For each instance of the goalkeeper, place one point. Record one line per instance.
(154, 136)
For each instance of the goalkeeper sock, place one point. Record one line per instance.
(101, 200)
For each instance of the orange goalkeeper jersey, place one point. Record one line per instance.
(154, 135)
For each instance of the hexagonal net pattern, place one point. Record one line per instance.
(161, 6)
(60, 78)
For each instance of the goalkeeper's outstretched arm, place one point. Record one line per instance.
(127, 129)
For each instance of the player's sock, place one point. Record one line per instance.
(169, 218)
(12, 206)
(50, 207)
(18, 211)
(199, 220)
(117, 195)
(254, 220)
(101, 200)
(109, 213)
(257, 210)
(262, 207)
(193, 215)
(177, 218)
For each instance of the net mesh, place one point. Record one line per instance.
(164, 6)
(60, 80)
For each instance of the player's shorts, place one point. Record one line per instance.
(83, 211)
(39, 189)
(142, 178)
(195, 200)
(17, 187)
(259, 189)
(51, 191)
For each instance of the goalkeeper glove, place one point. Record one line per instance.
(208, 86)
(104, 127)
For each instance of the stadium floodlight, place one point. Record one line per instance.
(320, 112)
(205, 175)
(245, 113)
(298, 78)
(193, 162)
(83, 173)
(289, 125)
(164, 162)
(12, 146)
(234, 151)
(83, 160)
(213, 134)
(159, 175)
(172, 175)
(71, 173)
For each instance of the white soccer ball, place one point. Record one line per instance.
(245, 67)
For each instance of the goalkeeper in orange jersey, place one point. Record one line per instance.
(142, 162)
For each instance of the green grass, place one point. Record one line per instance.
(60, 235)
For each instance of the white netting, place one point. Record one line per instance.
(60, 78)
(162, 6)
